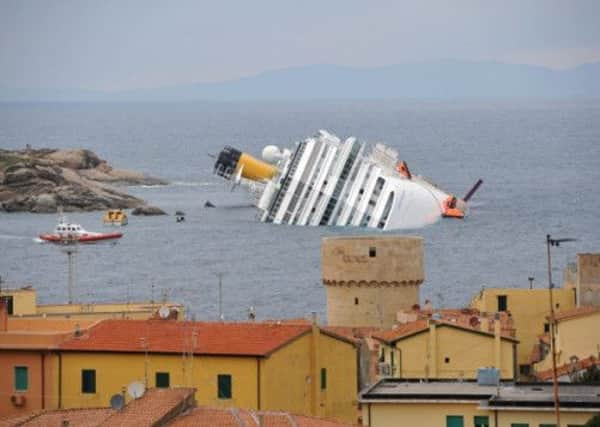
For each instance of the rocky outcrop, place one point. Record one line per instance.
(148, 210)
(76, 180)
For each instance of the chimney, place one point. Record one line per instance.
(3, 315)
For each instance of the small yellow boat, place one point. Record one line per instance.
(115, 217)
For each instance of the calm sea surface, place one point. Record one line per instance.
(540, 161)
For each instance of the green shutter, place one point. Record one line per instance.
(547, 425)
(519, 425)
(21, 378)
(162, 380)
(224, 386)
(481, 421)
(88, 381)
(323, 378)
(455, 421)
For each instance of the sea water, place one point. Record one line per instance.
(539, 159)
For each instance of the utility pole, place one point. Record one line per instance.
(71, 251)
(221, 315)
(553, 242)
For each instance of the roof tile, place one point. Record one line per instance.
(169, 336)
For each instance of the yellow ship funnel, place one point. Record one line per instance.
(255, 169)
(232, 163)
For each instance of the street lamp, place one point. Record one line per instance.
(553, 242)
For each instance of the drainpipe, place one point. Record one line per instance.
(258, 384)
(3, 316)
(432, 354)
(43, 357)
(497, 345)
(59, 380)
(314, 366)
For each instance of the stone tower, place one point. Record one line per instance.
(588, 280)
(370, 278)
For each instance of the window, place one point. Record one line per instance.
(372, 252)
(323, 378)
(355, 301)
(88, 381)
(382, 355)
(546, 328)
(446, 360)
(525, 370)
(547, 425)
(454, 421)
(8, 300)
(481, 421)
(519, 425)
(392, 362)
(502, 302)
(224, 386)
(162, 380)
(21, 378)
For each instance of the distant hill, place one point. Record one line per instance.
(444, 79)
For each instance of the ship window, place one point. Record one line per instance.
(372, 252)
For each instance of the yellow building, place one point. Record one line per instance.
(392, 403)
(529, 309)
(22, 302)
(577, 338)
(265, 366)
(443, 350)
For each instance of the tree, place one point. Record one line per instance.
(590, 376)
(593, 422)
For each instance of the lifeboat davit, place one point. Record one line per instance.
(67, 233)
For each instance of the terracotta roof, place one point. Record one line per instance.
(412, 328)
(352, 333)
(233, 417)
(88, 417)
(155, 407)
(402, 331)
(536, 354)
(169, 336)
(576, 312)
(568, 367)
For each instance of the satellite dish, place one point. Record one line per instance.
(117, 402)
(164, 312)
(136, 389)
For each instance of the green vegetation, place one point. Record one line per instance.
(7, 160)
(590, 376)
(593, 422)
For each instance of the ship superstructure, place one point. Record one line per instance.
(329, 181)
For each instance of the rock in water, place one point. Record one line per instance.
(78, 180)
(147, 210)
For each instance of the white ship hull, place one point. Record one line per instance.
(327, 181)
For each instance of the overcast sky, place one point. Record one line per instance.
(113, 45)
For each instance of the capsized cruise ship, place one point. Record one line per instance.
(328, 181)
